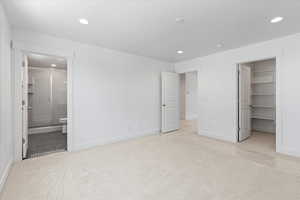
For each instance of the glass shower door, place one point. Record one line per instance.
(47, 96)
(39, 95)
(59, 95)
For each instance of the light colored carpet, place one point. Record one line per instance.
(175, 166)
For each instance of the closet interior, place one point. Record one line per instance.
(263, 93)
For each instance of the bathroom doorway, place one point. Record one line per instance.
(44, 103)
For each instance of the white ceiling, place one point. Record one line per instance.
(38, 60)
(149, 28)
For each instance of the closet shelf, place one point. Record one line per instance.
(263, 118)
(261, 106)
(266, 71)
(262, 82)
(257, 94)
(264, 131)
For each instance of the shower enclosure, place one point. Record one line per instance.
(47, 96)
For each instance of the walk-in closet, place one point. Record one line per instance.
(263, 96)
(257, 102)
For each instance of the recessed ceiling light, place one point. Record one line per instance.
(276, 20)
(53, 65)
(180, 52)
(179, 20)
(83, 21)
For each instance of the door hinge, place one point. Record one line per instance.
(11, 44)
(23, 102)
(23, 141)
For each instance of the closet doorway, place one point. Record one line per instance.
(44, 83)
(257, 105)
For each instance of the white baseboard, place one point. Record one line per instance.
(287, 151)
(5, 175)
(216, 135)
(46, 129)
(95, 143)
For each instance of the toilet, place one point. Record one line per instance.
(63, 121)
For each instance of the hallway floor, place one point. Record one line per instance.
(176, 166)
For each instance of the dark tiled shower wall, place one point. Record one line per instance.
(43, 143)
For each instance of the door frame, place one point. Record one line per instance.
(278, 125)
(18, 50)
(24, 83)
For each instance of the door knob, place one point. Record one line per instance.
(164, 105)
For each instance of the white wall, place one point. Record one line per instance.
(191, 95)
(6, 136)
(115, 95)
(217, 81)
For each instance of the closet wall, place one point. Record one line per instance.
(263, 96)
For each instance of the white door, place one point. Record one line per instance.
(244, 101)
(170, 101)
(24, 106)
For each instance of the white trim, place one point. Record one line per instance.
(4, 176)
(70, 137)
(183, 71)
(18, 49)
(46, 129)
(287, 151)
(279, 113)
(99, 142)
(45, 68)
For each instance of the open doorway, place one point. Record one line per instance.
(257, 105)
(179, 93)
(44, 100)
(188, 100)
